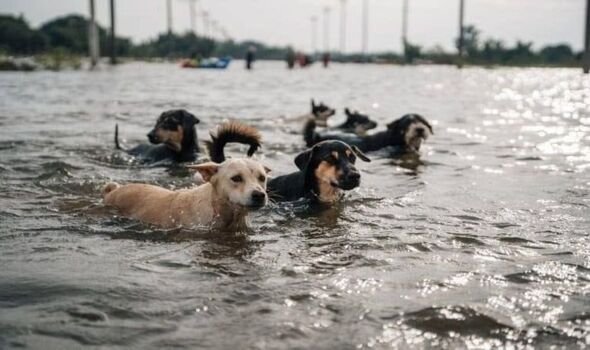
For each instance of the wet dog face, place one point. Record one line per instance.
(331, 164)
(413, 129)
(321, 112)
(357, 122)
(241, 182)
(172, 127)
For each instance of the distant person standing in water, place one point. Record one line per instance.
(290, 58)
(326, 59)
(250, 57)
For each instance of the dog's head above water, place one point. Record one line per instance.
(321, 113)
(412, 130)
(357, 122)
(174, 128)
(241, 182)
(329, 167)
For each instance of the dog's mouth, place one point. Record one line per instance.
(345, 185)
(416, 142)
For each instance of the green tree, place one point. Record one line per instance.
(18, 38)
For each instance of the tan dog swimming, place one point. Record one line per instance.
(232, 189)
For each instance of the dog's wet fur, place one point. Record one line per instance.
(173, 138)
(325, 170)
(356, 123)
(232, 188)
(321, 113)
(406, 134)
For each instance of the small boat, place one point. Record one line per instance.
(207, 63)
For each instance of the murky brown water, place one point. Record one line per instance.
(484, 244)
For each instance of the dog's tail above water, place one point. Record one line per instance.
(117, 145)
(232, 132)
(309, 134)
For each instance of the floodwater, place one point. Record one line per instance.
(481, 243)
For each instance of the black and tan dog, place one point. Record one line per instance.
(406, 134)
(174, 138)
(356, 123)
(319, 112)
(324, 171)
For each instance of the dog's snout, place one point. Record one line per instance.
(420, 131)
(152, 136)
(354, 176)
(258, 198)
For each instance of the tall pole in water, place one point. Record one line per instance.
(192, 12)
(93, 37)
(342, 26)
(405, 26)
(314, 34)
(326, 29)
(365, 28)
(461, 42)
(169, 15)
(586, 58)
(113, 36)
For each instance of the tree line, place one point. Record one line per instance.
(69, 34)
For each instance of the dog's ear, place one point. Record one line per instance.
(207, 170)
(347, 111)
(393, 125)
(360, 154)
(303, 158)
(267, 169)
(425, 122)
(312, 104)
(189, 118)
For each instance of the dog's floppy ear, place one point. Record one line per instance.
(189, 118)
(303, 158)
(360, 154)
(393, 125)
(207, 170)
(425, 122)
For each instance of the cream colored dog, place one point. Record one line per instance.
(233, 188)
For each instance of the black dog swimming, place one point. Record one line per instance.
(324, 171)
(406, 134)
(356, 123)
(174, 138)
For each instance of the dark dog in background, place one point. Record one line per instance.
(324, 171)
(174, 138)
(356, 123)
(407, 134)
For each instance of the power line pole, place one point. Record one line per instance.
(205, 15)
(113, 36)
(405, 26)
(586, 58)
(169, 15)
(327, 29)
(93, 44)
(342, 26)
(365, 28)
(314, 34)
(461, 42)
(192, 12)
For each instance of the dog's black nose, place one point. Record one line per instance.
(420, 131)
(258, 197)
(152, 137)
(354, 176)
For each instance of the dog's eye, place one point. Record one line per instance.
(237, 178)
(261, 178)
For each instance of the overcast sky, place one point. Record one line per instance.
(432, 22)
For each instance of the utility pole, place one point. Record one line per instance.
(342, 26)
(169, 15)
(461, 42)
(192, 12)
(327, 29)
(205, 15)
(93, 44)
(365, 28)
(314, 34)
(586, 58)
(113, 36)
(405, 26)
